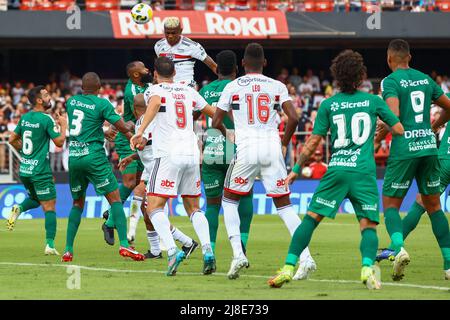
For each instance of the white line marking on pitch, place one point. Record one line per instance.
(216, 274)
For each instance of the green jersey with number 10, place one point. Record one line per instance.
(415, 92)
(87, 113)
(352, 119)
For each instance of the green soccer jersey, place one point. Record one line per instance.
(215, 145)
(415, 91)
(131, 90)
(351, 119)
(35, 129)
(87, 113)
(444, 148)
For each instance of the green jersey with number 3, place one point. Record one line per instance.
(87, 113)
(35, 129)
(351, 119)
(415, 92)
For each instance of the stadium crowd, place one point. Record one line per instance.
(306, 90)
(228, 5)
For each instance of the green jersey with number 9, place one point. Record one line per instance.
(35, 129)
(87, 113)
(415, 91)
(352, 119)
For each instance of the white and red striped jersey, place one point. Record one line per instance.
(183, 54)
(173, 132)
(255, 100)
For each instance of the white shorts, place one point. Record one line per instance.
(266, 163)
(169, 178)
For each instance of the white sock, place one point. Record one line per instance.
(232, 223)
(181, 237)
(162, 226)
(292, 222)
(135, 215)
(153, 241)
(201, 228)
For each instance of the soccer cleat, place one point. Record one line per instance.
(67, 257)
(209, 263)
(305, 269)
(401, 261)
(236, 265)
(108, 234)
(131, 253)
(447, 274)
(385, 254)
(174, 261)
(105, 215)
(284, 275)
(13, 215)
(50, 251)
(189, 250)
(150, 255)
(370, 278)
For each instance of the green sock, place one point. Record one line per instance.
(72, 227)
(439, 223)
(124, 193)
(212, 215)
(300, 239)
(121, 222)
(28, 204)
(368, 246)
(394, 227)
(246, 215)
(50, 228)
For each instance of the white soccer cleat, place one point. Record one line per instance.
(13, 215)
(50, 251)
(305, 269)
(371, 277)
(447, 274)
(236, 265)
(402, 259)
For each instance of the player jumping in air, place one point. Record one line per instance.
(255, 100)
(219, 152)
(409, 93)
(351, 116)
(176, 169)
(146, 157)
(88, 162)
(31, 137)
(182, 51)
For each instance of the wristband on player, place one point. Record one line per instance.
(296, 168)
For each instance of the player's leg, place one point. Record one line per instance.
(135, 211)
(368, 248)
(30, 202)
(154, 251)
(245, 210)
(428, 181)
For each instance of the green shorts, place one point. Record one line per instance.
(444, 174)
(95, 169)
(40, 187)
(400, 174)
(213, 177)
(135, 166)
(361, 189)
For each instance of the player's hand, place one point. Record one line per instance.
(125, 162)
(290, 179)
(377, 146)
(230, 135)
(284, 151)
(111, 134)
(136, 141)
(61, 120)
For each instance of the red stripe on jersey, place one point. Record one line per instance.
(163, 99)
(235, 97)
(278, 195)
(191, 195)
(241, 193)
(151, 194)
(277, 98)
(194, 104)
(175, 56)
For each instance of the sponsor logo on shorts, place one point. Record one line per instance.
(44, 191)
(434, 184)
(76, 189)
(167, 184)
(326, 203)
(396, 185)
(281, 182)
(212, 185)
(240, 180)
(370, 207)
(104, 183)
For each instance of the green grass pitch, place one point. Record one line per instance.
(25, 273)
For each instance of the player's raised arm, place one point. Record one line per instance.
(211, 64)
(152, 109)
(292, 123)
(61, 138)
(223, 107)
(15, 141)
(444, 116)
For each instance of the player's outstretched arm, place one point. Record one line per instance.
(211, 64)
(125, 128)
(217, 120)
(152, 109)
(62, 122)
(292, 123)
(127, 160)
(444, 116)
(15, 141)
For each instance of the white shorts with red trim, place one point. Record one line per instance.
(169, 178)
(268, 165)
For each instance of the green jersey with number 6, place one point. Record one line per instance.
(87, 114)
(35, 129)
(415, 91)
(352, 120)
